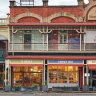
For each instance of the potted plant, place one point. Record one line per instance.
(23, 89)
(35, 87)
(17, 87)
(78, 87)
(45, 87)
(85, 87)
(7, 86)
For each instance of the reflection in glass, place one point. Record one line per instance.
(63, 74)
(27, 76)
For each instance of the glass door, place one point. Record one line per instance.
(27, 41)
(32, 78)
(63, 40)
(93, 78)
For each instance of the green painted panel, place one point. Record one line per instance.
(2, 55)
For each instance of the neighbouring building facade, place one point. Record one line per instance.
(3, 47)
(56, 44)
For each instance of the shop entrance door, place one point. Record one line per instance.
(63, 40)
(27, 41)
(93, 78)
(32, 78)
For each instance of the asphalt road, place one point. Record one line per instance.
(47, 94)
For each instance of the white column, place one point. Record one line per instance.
(84, 38)
(47, 37)
(8, 73)
(47, 41)
(87, 74)
(12, 40)
(83, 76)
(84, 42)
(80, 42)
(5, 75)
(8, 38)
(43, 41)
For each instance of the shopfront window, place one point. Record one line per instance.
(27, 76)
(63, 74)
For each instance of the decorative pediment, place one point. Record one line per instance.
(92, 14)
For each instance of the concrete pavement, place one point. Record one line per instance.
(44, 94)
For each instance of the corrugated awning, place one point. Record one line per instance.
(92, 66)
(53, 24)
(50, 57)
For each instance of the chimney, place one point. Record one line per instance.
(12, 3)
(45, 3)
(80, 2)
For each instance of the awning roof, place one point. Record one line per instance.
(92, 67)
(53, 57)
(53, 24)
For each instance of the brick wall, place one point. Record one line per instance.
(45, 12)
(62, 20)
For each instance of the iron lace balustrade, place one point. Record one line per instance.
(45, 47)
(19, 47)
(4, 21)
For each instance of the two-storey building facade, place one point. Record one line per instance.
(56, 44)
(3, 47)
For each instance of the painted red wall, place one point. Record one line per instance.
(81, 77)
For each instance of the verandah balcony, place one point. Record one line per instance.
(54, 47)
(4, 21)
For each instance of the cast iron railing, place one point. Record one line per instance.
(52, 47)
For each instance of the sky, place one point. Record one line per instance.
(4, 5)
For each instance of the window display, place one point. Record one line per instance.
(63, 74)
(27, 76)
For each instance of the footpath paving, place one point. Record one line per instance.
(45, 94)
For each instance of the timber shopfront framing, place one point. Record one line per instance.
(57, 72)
(68, 71)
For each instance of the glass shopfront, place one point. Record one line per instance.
(27, 76)
(63, 75)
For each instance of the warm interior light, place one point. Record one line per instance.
(31, 69)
